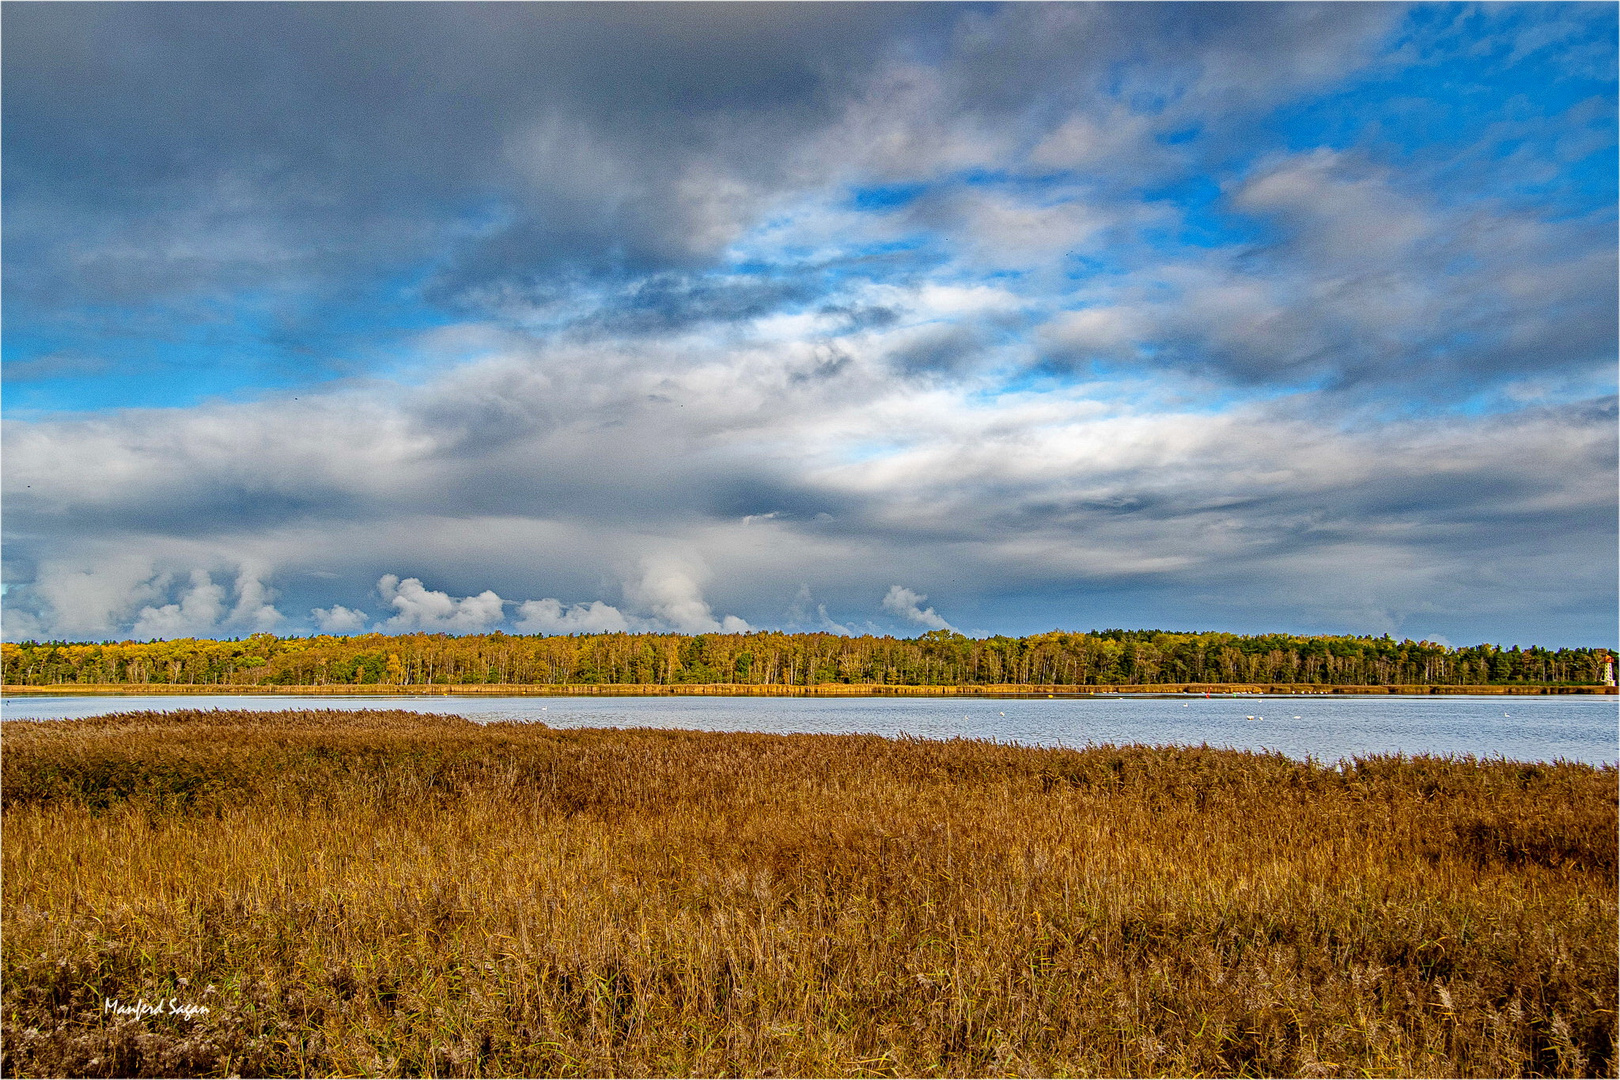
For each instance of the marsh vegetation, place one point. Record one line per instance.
(388, 893)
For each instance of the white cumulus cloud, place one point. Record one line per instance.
(254, 610)
(421, 608)
(907, 604)
(195, 615)
(338, 619)
(554, 617)
(672, 589)
(93, 596)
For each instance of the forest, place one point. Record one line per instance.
(937, 658)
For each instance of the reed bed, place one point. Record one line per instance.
(387, 893)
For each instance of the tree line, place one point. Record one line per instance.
(938, 658)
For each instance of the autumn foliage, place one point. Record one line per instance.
(394, 894)
(767, 659)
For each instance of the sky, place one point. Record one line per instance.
(858, 318)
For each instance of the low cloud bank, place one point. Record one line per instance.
(1027, 512)
(667, 589)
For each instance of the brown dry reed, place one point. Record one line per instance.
(392, 894)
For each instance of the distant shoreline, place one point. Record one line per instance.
(1004, 690)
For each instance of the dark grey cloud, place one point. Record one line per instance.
(659, 303)
(1234, 56)
(311, 138)
(862, 317)
(180, 154)
(941, 350)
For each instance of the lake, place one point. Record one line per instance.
(1327, 728)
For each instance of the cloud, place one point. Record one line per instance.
(805, 613)
(419, 608)
(1084, 141)
(1366, 286)
(100, 593)
(1075, 314)
(338, 619)
(938, 350)
(54, 366)
(254, 610)
(908, 605)
(196, 615)
(555, 617)
(671, 588)
(527, 145)
(84, 598)
(1038, 497)
(597, 165)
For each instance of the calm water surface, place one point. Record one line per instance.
(1577, 728)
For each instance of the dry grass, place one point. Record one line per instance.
(391, 894)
